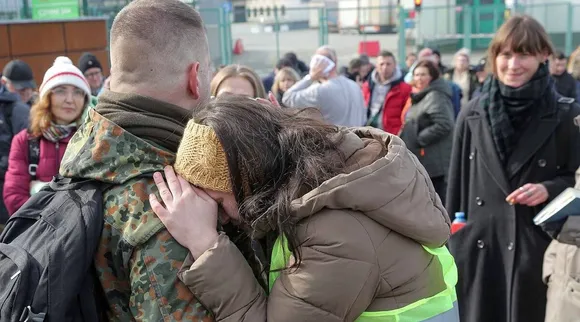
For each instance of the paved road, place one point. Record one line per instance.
(260, 48)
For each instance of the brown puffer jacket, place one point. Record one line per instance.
(360, 234)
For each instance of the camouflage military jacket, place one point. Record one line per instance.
(137, 259)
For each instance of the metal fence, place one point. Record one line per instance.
(268, 33)
(217, 22)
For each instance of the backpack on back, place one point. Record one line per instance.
(46, 255)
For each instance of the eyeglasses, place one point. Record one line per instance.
(93, 74)
(63, 93)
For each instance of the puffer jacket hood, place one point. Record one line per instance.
(383, 183)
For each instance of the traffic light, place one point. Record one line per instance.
(418, 4)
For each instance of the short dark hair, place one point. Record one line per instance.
(431, 67)
(284, 62)
(291, 57)
(160, 23)
(559, 55)
(355, 64)
(411, 54)
(386, 53)
(364, 59)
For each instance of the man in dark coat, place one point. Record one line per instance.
(565, 83)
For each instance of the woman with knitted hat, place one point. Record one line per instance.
(54, 119)
(349, 222)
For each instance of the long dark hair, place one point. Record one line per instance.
(274, 156)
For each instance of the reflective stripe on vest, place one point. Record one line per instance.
(418, 311)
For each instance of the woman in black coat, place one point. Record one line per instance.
(515, 148)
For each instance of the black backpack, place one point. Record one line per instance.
(46, 255)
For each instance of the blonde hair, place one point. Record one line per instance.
(284, 72)
(522, 34)
(238, 71)
(462, 52)
(574, 63)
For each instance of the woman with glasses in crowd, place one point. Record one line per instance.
(35, 153)
(515, 148)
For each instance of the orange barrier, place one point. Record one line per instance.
(371, 48)
(238, 47)
(38, 43)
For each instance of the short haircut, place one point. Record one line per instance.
(284, 62)
(157, 36)
(411, 55)
(354, 64)
(292, 57)
(462, 52)
(331, 52)
(521, 34)
(386, 53)
(559, 55)
(431, 67)
(364, 58)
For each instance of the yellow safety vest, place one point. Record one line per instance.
(418, 311)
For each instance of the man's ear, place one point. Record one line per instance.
(193, 80)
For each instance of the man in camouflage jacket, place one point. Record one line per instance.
(160, 74)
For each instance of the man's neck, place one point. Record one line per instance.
(147, 91)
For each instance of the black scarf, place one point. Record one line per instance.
(149, 119)
(509, 109)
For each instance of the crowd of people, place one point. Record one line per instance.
(315, 193)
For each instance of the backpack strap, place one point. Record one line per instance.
(33, 157)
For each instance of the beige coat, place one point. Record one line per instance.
(360, 236)
(562, 272)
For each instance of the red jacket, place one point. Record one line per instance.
(393, 106)
(17, 181)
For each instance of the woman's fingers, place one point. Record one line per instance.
(519, 194)
(172, 182)
(273, 99)
(527, 194)
(202, 194)
(185, 186)
(163, 189)
(158, 208)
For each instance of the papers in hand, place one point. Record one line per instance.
(566, 204)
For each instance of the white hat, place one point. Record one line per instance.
(62, 60)
(63, 72)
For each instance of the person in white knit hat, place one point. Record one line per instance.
(64, 95)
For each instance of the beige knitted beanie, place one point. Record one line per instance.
(201, 159)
